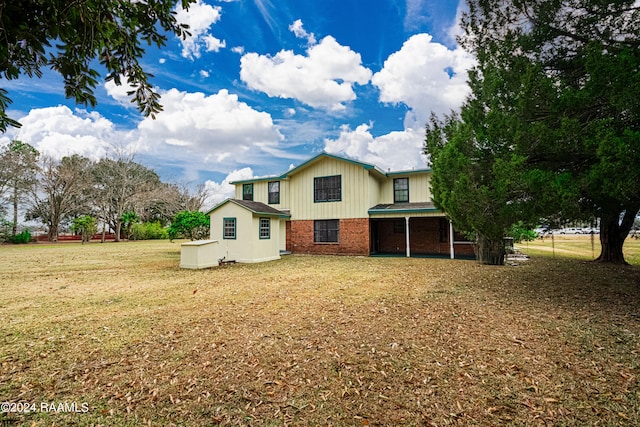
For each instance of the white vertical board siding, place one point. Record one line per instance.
(261, 193)
(247, 246)
(240, 247)
(263, 249)
(355, 191)
(375, 188)
(419, 187)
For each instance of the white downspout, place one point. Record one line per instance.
(406, 218)
(451, 252)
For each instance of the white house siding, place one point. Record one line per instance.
(419, 187)
(261, 192)
(355, 191)
(266, 249)
(375, 186)
(247, 246)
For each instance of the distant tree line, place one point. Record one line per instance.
(115, 195)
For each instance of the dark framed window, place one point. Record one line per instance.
(444, 230)
(274, 192)
(265, 228)
(247, 192)
(229, 228)
(401, 190)
(326, 231)
(327, 189)
(399, 226)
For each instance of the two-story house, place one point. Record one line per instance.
(333, 205)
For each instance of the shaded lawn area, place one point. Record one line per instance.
(312, 340)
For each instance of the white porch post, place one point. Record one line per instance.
(451, 240)
(406, 218)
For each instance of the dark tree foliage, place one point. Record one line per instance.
(555, 88)
(69, 36)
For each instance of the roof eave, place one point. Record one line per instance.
(279, 214)
(399, 211)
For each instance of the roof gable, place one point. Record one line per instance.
(367, 166)
(323, 155)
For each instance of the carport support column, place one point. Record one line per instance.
(453, 255)
(406, 219)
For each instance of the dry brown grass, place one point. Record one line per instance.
(579, 246)
(316, 340)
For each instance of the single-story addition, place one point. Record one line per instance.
(248, 231)
(338, 206)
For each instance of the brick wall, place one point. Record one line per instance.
(391, 236)
(353, 240)
(425, 236)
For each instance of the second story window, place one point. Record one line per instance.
(274, 192)
(401, 190)
(327, 189)
(247, 192)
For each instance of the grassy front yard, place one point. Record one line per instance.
(315, 340)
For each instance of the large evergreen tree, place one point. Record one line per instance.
(555, 91)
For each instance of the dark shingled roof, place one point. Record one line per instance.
(418, 206)
(258, 207)
(255, 207)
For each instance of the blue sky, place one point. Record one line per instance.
(263, 85)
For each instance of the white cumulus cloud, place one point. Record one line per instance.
(194, 132)
(324, 78)
(423, 75)
(58, 132)
(200, 16)
(426, 76)
(119, 93)
(208, 130)
(297, 28)
(214, 44)
(399, 150)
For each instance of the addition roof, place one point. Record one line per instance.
(258, 208)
